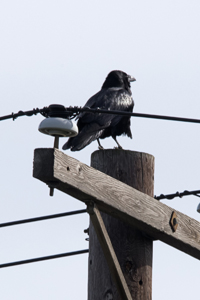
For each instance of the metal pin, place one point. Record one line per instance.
(55, 145)
(56, 142)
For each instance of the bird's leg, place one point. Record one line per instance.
(100, 147)
(119, 146)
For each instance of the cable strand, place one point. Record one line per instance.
(75, 111)
(177, 194)
(65, 214)
(33, 260)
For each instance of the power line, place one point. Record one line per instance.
(65, 214)
(125, 113)
(33, 260)
(177, 194)
(21, 113)
(72, 112)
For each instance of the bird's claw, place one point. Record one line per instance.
(101, 148)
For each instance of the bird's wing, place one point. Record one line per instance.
(108, 99)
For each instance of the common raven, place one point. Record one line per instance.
(115, 94)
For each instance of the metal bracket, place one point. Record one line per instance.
(173, 221)
(108, 251)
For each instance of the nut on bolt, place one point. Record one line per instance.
(173, 221)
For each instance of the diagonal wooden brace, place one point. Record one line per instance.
(108, 251)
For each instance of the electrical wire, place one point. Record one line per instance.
(125, 113)
(11, 264)
(65, 214)
(21, 113)
(177, 194)
(33, 260)
(74, 111)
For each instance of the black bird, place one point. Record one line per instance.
(115, 94)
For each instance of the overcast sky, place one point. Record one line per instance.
(61, 52)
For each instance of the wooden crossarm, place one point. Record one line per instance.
(117, 199)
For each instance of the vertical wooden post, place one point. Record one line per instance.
(132, 247)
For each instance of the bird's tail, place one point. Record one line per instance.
(87, 135)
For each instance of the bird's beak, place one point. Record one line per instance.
(131, 79)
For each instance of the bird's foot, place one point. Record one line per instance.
(118, 148)
(101, 148)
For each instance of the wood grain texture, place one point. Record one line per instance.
(97, 286)
(133, 249)
(117, 199)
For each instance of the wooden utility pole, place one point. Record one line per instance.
(132, 247)
(134, 207)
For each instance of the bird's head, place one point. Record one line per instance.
(118, 79)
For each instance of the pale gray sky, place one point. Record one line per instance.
(60, 52)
